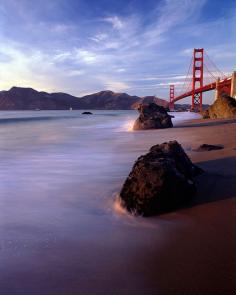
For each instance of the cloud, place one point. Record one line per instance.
(120, 70)
(62, 56)
(116, 86)
(81, 51)
(164, 77)
(24, 69)
(78, 56)
(59, 28)
(86, 56)
(75, 73)
(169, 14)
(115, 21)
(99, 37)
(5, 58)
(48, 72)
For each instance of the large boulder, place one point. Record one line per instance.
(152, 116)
(160, 181)
(223, 108)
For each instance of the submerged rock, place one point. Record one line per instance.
(87, 113)
(209, 147)
(223, 108)
(152, 116)
(160, 181)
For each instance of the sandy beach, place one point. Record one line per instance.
(199, 257)
(54, 247)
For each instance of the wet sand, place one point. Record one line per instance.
(190, 251)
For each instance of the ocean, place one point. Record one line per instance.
(62, 231)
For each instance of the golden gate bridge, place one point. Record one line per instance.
(203, 75)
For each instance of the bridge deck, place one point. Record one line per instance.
(205, 88)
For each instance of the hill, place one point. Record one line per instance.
(18, 98)
(152, 99)
(109, 100)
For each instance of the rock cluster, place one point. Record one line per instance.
(209, 147)
(223, 108)
(152, 116)
(160, 181)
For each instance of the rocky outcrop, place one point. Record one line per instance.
(152, 116)
(223, 108)
(208, 147)
(160, 181)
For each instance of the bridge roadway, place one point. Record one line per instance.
(223, 83)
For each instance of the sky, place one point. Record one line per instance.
(134, 46)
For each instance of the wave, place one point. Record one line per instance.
(32, 119)
(21, 117)
(133, 220)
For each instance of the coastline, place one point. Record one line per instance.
(75, 249)
(200, 257)
(197, 253)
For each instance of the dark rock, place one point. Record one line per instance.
(205, 114)
(223, 108)
(160, 181)
(152, 116)
(87, 113)
(208, 147)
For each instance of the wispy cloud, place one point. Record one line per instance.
(67, 47)
(117, 86)
(115, 21)
(100, 37)
(170, 14)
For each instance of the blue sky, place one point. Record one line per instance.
(133, 46)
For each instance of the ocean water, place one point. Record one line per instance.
(61, 230)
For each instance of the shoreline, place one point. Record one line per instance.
(199, 256)
(58, 242)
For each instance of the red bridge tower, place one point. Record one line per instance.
(197, 82)
(172, 96)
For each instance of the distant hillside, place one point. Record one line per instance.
(109, 100)
(18, 98)
(186, 106)
(29, 99)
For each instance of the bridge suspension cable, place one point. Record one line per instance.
(216, 72)
(187, 81)
(205, 76)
